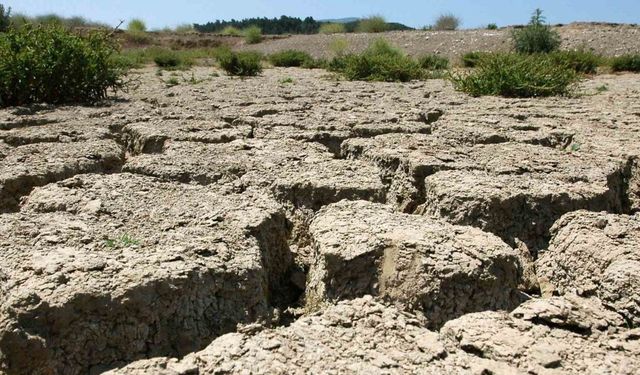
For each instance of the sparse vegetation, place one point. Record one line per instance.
(536, 37)
(231, 31)
(581, 61)
(470, 59)
(517, 75)
(123, 241)
(332, 28)
(433, 62)
(372, 24)
(291, 58)
(628, 63)
(338, 46)
(380, 62)
(252, 35)
(168, 59)
(286, 81)
(138, 57)
(492, 26)
(53, 65)
(136, 26)
(185, 28)
(447, 22)
(241, 64)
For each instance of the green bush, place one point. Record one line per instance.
(517, 75)
(579, 60)
(240, 63)
(447, 22)
(628, 63)
(50, 64)
(5, 18)
(171, 59)
(470, 59)
(332, 28)
(231, 31)
(492, 26)
(136, 26)
(372, 24)
(536, 37)
(433, 62)
(291, 58)
(252, 35)
(380, 62)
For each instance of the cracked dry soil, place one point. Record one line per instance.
(321, 226)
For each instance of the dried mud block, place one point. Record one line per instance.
(593, 253)
(150, 137)
(100, 269)
(514, 207)
(417, 262)
(56, 132)
(306, 174)
(549, 336)
(361, 336)
(25, 167)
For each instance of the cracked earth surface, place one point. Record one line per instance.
(322, 226)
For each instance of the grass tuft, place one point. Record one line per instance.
(252, 35)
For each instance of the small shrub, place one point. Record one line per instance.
(433, 62)
(380, 62)
(184, 29)
(581, 61)
(290, 58)
(516, 75)
(168, 59)
(136, 26)
(231, 31)
(332, 28)
(240, 63)
(339, 46)
(372, 24)
(536, 37)
(470, 59)
(447, 22)
(492, 26)
(50, 64)
(252, 35)
(628, 63)
(5, 18)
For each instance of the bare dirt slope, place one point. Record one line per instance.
(605, 39)
(294, 223)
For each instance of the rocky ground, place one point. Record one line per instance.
(311, 225)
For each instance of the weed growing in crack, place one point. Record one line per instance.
(121, 242)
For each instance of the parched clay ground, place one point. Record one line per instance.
(321, 226)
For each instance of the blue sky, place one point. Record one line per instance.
(416, 13)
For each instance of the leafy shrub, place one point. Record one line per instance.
(240, 63)
(231, 31)
(291, 58)
(629, 63)
(517, 75)
(252, 35)
(433, 62)
(579, 60)
(470, 59)
(372, 24)
(136, 26)
(51, 64)
(536, 37)
(332, 28)
(380, 62)
(171, 59)
(447, 22)
(492, 26)
(5, 18)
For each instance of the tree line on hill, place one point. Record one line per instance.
(282, 25)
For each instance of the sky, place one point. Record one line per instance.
(415, 13)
